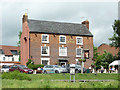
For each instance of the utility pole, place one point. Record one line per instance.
(82, 62)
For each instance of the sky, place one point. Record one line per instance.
(101, 16)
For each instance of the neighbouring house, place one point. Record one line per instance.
(50, 42)
(113, 50)
(9, 55)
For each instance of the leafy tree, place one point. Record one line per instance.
(95, 53)
(115, 39)
(20, 33)
(106, 59)
(98, 62)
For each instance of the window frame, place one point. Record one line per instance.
(62, 54)
(48, 51)
(48, 59)
(77, 41)
(47, 38)
(60, 40)
(76, 52)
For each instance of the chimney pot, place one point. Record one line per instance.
(86, 22)
(25, 18)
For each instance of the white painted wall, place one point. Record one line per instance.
(9, 59)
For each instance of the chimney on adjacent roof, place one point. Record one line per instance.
(86, 22)
(25, 18)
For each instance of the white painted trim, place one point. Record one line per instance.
(76, 52)
(79, 43)
(48, 51)
(46, 59)
(62, 42)
(47, 38)
(60, 53)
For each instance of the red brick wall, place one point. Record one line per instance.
(24, 44)
(35, 48)
(108, 48)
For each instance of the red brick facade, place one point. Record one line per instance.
(108, 48)
(32, 47)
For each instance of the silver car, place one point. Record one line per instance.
(54, 69)
(5, 68)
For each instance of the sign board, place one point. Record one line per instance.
(72, 69)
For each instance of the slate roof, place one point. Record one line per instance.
(7, 49)
(58, 28)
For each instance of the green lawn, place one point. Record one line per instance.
(44, 81)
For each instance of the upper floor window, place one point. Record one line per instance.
(14, 52)
(79, 40)
(44, 50)
(78, 52)
(1, 51)
(45, 38)
(3, 58)
(62, 39)
(62, 51)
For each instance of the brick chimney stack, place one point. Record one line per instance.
(86, 22)
(25, 18)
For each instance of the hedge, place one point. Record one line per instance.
(35, 66)
(15, 75)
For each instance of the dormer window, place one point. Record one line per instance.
(62, 39)
(1, 51)
(45, 38)
(14, 52)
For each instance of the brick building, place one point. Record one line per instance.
(49, 42)
(108, 48)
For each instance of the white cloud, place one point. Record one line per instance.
(100, 15)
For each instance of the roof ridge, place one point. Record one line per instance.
(56, 21)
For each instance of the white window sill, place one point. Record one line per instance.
(79, 43)
(78, 55)
(44, 55)
(63, 55)
(44, 42)
(62, 43)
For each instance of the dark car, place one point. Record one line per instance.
(21, 68)
(77, 68)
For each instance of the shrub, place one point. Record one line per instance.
(15, 75)
(35, 66)
(29, 61)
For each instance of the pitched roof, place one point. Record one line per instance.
(58, 28)
(7, 49)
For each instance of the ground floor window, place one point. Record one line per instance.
(45, 61)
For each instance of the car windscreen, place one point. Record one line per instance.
(22, 66)
(57, 66)
(5, 66)
(78, 66)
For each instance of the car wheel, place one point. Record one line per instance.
(77, 71)
(45, 72)
(56, 71)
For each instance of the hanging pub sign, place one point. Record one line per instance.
(86, 54)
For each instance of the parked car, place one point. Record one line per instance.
(54, 69)
(5, 68)
(21, 68)
(77, 68)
